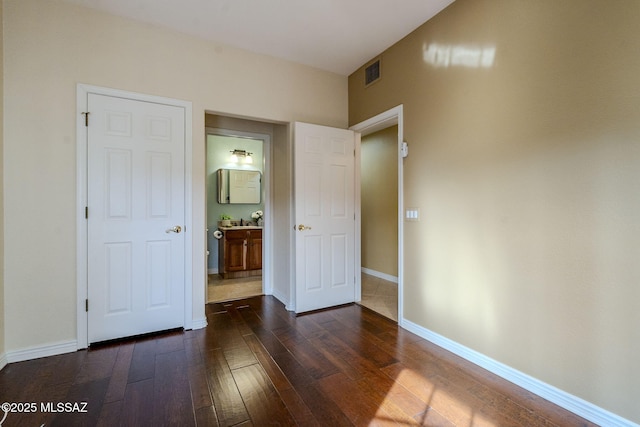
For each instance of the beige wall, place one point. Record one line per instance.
(526, 168)
(2, 309)
(49, 48)
(283, 238)
(379, 201)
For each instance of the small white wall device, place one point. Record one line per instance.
(404, 149)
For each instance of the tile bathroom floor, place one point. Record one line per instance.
(380, 296)
(231, 289)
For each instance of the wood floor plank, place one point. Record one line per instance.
(206, 417)
(13, 389)
(365, 347)
(171, 391)
(370, 376)
(419, 385)
(305, 353)
(358, 405)
(192, 344)
(308, 327)
(432, 418)
(92, 393)
(170, 342)
(357, 365)
(323, 408)
(265, 336)
(64, 369)
(212, 338)
(226, 330)
(239, 356)
(110, 414)
(277, 377)
(355, 317)
(289, 396)
(450, 399)
(298, 409)
(97, 364)
(142, 360)
(396, 343)
(260, 397)
(199, 388)
(213, 308)
(229, 405)
(394, 395)
(242, 326)
(471, 388)
(334, 351)
(271, 316)
(401, 405)
(320, 317)
(137, 406)
(120, 373)
(251, 319)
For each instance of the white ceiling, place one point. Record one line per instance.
(333, 35)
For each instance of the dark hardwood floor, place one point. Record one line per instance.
(257, 365)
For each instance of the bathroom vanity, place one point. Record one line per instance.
(240, 252)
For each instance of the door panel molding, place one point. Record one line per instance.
(156, 130)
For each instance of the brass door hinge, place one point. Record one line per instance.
(86, 305)
(86, 118)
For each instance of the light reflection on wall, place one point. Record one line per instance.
(442, 55)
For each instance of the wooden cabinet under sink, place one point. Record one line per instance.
(240, 253)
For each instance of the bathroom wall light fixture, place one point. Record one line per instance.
(237, 154)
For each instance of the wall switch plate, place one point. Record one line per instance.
(412, 214)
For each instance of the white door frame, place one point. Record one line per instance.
(267, 247)
(81, 201)
(388, 118)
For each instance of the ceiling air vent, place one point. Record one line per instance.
(372, 73)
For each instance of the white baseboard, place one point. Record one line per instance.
(280, 297)
(561, 398)
(3, 360)
(59, 348)
(199, 323)
(212, 271)
(380, 275)
(42, 351)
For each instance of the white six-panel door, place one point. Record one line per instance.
(136, 244)
(324, 179)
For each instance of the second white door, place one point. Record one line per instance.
(324, 177)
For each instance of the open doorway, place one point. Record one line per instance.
(237, 202)
(379, 221)
(380, 183)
